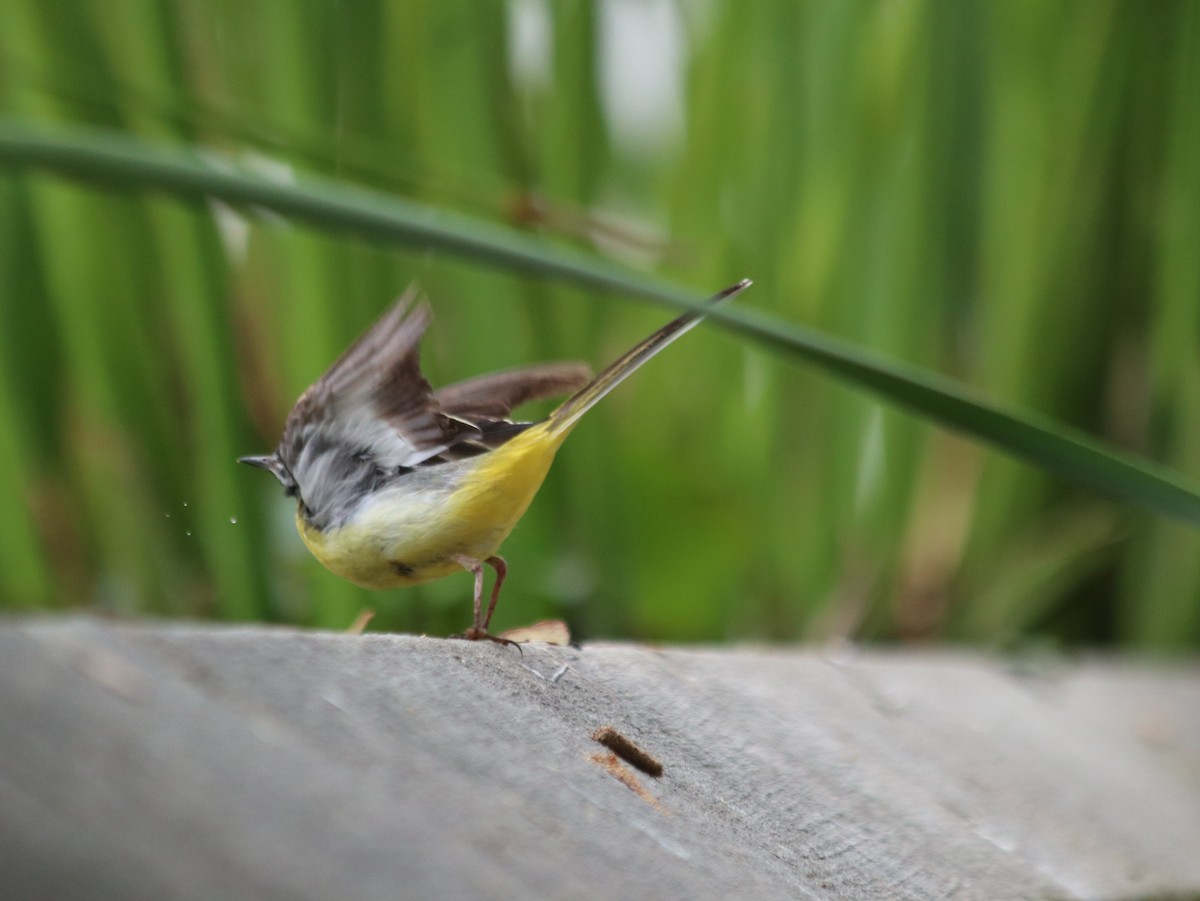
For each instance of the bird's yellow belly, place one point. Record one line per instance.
(412, 531)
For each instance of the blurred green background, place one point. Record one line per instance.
(1007, 193)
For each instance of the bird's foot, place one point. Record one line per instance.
(477, 633)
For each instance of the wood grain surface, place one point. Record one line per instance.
(171, 761)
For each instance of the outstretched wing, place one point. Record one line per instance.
(487, 401)
(375, 398)
(496, 395)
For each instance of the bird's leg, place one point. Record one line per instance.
(501, 568)
(475, 568)
(480, 622)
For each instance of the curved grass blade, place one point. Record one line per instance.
(110, 158)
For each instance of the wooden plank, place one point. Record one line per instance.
(155, 761)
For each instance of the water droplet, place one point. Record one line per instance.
(185, 503)
(167, 515)
(233, 520)
(188, 533)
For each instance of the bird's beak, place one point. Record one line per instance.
(272, 464)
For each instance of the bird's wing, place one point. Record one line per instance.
(494, 396)
(374, 399)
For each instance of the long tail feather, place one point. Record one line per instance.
(575, 406)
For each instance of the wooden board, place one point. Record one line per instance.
(168, 761)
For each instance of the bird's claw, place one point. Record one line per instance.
(480, 634)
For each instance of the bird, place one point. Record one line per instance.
(398, 484)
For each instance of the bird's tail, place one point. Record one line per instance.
(562, 419)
